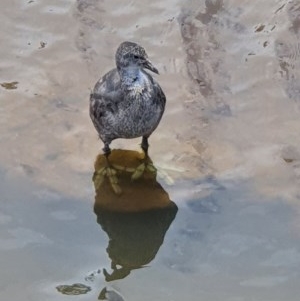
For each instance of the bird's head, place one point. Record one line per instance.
(131, 54)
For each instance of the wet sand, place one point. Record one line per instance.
(227, 149)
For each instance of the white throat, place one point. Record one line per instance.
(135, 80)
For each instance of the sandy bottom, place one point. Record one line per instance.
(227, 152)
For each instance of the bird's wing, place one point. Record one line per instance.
(105, 98)
(160, 97)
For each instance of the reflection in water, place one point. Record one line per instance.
(126, 162)
(135, 221)
(134, 238)
(139, 195)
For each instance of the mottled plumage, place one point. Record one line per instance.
(127, 102)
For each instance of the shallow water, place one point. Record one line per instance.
(227, 152)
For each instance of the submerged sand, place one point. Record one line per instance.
(230, 71)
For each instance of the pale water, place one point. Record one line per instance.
(227, 151)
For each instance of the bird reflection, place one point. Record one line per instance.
(123, 162)
(135, 221)
(134, 238)
(142, 194)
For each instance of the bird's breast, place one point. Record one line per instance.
(138, 117)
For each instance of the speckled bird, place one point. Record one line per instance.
(127, 102)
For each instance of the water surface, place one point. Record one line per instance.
(227, 151)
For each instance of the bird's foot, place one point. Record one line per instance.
(111, 174)
(142, 168)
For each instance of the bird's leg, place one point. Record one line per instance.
(145, 146)
(106, 150)
(108, 171)
(146, 164)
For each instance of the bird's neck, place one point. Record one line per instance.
(133, 79)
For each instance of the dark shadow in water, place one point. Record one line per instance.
(138, 195)
(134, 238)
(135, 221)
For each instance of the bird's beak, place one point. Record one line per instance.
(148, 65)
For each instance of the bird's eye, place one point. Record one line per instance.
(136, 57)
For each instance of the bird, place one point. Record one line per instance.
(127, 102)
